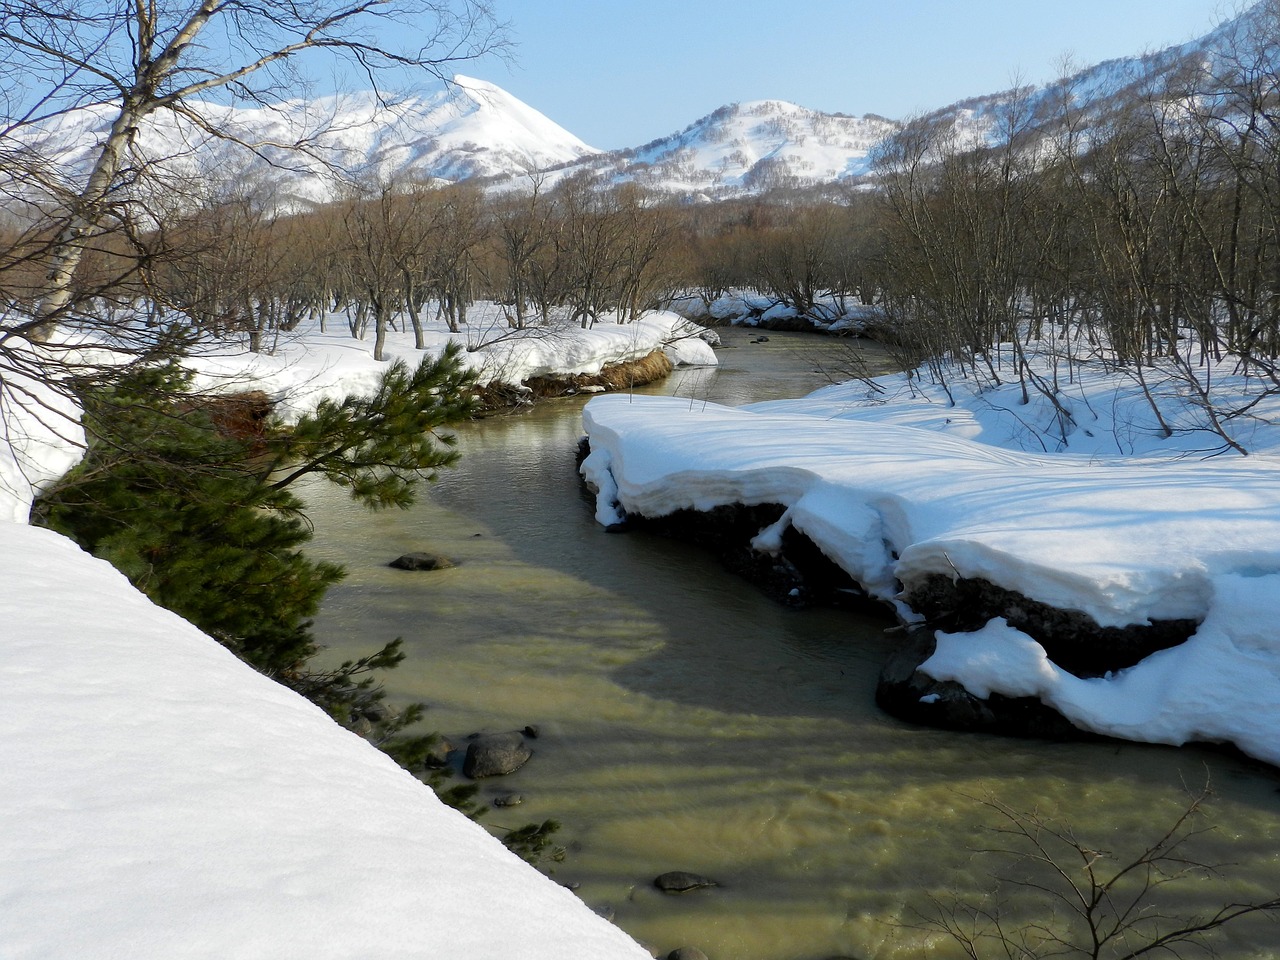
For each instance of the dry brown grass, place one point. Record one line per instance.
(615, 376)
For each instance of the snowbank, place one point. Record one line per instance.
(40, 440)
(163, 800)
(895, 485)
(312, 363)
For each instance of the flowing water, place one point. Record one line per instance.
(686, 722)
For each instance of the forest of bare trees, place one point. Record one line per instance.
(1130, 231)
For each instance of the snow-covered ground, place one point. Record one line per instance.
(306, 366)
(1100, 513)
(162, 800)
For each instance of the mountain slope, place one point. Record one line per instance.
(747, 148)
(1100, 92)
(473, 129)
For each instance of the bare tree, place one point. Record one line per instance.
(379, 242)
(517, 228)
(144, 56)
(233, 265)
(452, 250)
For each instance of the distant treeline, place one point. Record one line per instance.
(1146, 224)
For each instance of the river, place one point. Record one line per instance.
(686, 722)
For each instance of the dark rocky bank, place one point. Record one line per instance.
(801, 575)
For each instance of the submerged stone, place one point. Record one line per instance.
(495, 755)
(681, 881)
(422, 561)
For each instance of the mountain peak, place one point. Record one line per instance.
(749, 147)
(472, 129)
(514, 121)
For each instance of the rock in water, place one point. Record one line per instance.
(681, 881)
(495, 755)
(422, 561)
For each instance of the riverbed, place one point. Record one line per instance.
(687, 722)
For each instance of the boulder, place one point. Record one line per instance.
(495, 755)
(905, 692)
(686, 953)
(422, 561)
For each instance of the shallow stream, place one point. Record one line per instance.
(686, 722)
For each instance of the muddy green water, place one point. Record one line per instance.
(688, 723)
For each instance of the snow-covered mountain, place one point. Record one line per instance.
(476, 130)
(1099, 92)
(746, 148)
(472, 129)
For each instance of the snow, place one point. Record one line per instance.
(40, 440)
(1220, 685)
(471, 129)
(829, 314)
(305, 367)
(1100, 513)
(163, 800)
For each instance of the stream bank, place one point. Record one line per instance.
(626, 375)
(688, 722)
(798, 574)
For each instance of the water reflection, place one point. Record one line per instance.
(689, 723)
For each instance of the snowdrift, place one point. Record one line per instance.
(1123, 540)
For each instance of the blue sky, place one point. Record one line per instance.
(618, 73)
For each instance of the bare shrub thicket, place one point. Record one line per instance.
(1136, 897)
(1138, 232)
(1137, 236)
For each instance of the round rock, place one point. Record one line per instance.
(495, 755)
(686, 953)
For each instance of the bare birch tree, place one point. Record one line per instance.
(140, 57)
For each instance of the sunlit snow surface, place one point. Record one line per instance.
(894, 483)
(161, 800)
(306, 367)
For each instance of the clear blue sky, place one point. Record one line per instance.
(618, 73)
